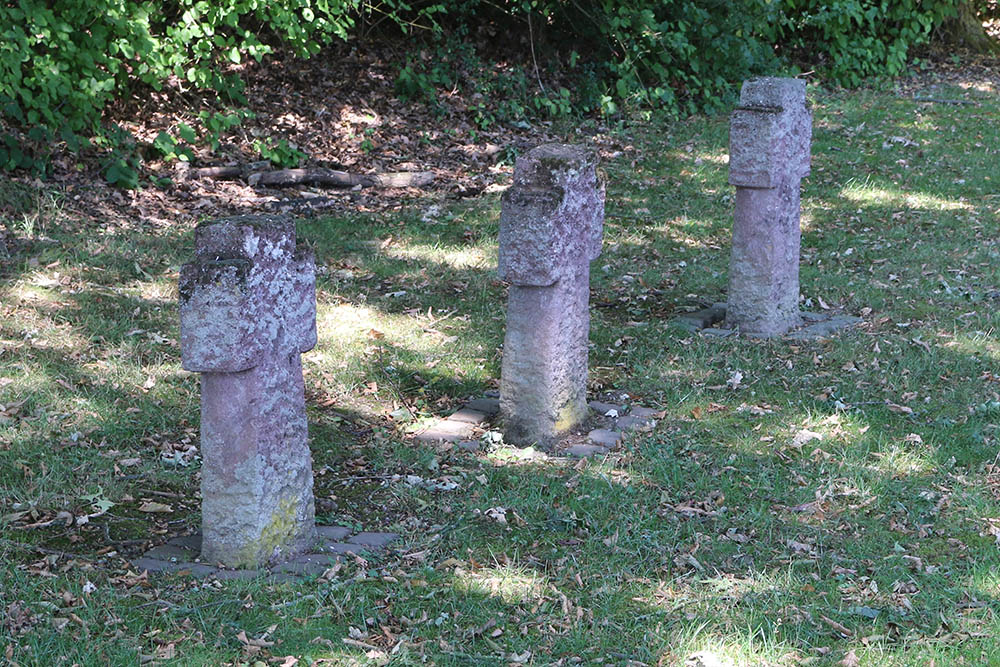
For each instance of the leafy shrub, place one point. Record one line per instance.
(858, 38)
(63, 61)
(280, 153)
(687, 55)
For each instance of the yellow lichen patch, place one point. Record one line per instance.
(279, 530)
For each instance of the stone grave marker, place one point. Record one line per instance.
(769, 148)
(248, 310)
(551, 226)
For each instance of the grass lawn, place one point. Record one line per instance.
(833, 502)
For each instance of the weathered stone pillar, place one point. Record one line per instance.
(248, 310)
(769, 140)
(551, 224)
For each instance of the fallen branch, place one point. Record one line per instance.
(218, 173)
(318, 176)
(332, 178)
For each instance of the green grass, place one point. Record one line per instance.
(712, 533)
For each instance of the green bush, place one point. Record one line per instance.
(690, 55)
(857, 39)
(62, 62)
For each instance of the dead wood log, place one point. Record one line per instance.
(219, 173)
(331, 178)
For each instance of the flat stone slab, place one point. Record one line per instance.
(446, 430)
(631, 423)
(189, 542)
(468, 416)
(702, 319)
(374, 540)
(470, 445)
(339, 548)
(171, 552)
(643, 412)
(825, 328)
(584, 451)
(815, 325)
(238, 575)
(335, 542)
(488, 406)
(307, 565)
(604, 408)
(713, 332)
(602, 437)
(334, 533)
(157, 566)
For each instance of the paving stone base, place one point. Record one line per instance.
(608, 422)
(814, 325)
(181, 555)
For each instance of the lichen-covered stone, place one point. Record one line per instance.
(769, 143)
(551, 225)
(248, 310)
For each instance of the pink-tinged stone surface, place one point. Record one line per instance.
(248, 310)
(551, 226)
(769, 153)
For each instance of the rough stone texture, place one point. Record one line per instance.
(769, 140)
(248, 310)
(641, 411)
(551, 225)
(603, 437)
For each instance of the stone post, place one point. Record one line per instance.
(248, 310)
(551, 224)
(769, 140)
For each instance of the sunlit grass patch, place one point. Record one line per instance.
(455, 258)
(867, 194)
(508, 583)
(797, 500)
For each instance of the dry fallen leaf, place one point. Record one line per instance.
(151, 506)
(850, 659)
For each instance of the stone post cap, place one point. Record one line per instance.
(773, 91)
(770, 134)
(245, 236)
(552, 217)
(247, 284)
(218, 329)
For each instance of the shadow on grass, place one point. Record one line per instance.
(715, 531)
